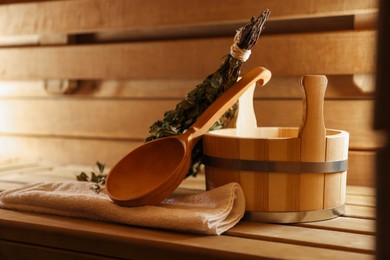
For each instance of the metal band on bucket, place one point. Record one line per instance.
(295, 217)
(276, 166)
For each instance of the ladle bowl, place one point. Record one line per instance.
(151, 172)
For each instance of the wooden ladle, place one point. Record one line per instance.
(151, 172)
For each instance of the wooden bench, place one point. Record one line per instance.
(82, 81)
(23, 234)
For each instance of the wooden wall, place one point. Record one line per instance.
(133, 60)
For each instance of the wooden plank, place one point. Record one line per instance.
(27, 169)
(125, 119)
(83, 151)
(69, 16)
(222, 29)
(356, 211)
(344, 224)
(141, 88)
(41, 175)
(67, 150)
(359, 209)
(361, 200)
(88, 151)
(361, 190)
(68, 172)
(305, 236)
(6, 167)
(366, 21)
(23, 173)
(88, 118)
(286, 87)
(353, 116)
(180, 58)
(361, 168)
(227, 28)
(11, 250)
(317, 53)
(20, 40)
(126, 241)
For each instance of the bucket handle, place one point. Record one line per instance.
(312, 131)
(246, 123)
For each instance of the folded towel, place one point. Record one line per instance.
(210, 212)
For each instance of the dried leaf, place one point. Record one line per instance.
(100, 167)
(98, 179)
(82, 177)
(94, 177)
(187, 111)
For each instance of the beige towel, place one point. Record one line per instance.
(211, 212)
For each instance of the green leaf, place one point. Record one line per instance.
(197, 100)
(82, 177)
(94, 177)
(98, 180)
(101, 166)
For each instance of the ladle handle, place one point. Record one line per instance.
(312, 131)
(228, 99)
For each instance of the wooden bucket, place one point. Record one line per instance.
(288, 174)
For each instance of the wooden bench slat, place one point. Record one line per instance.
(305, 236)
(344, 224)
(339, 87)
(126, 241)
(38, 175)
(360, 200)
(130, 119)
(350, 114)
(26, 168)
(357, 211)
(68, 150)
(11, 250)
(68, 172)
(286, 87)
(362, 168)
(126, 119)
(6, 168)
(361, 190)
(23, 173)
(70, 16)
(343, 235)
(164, 59)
